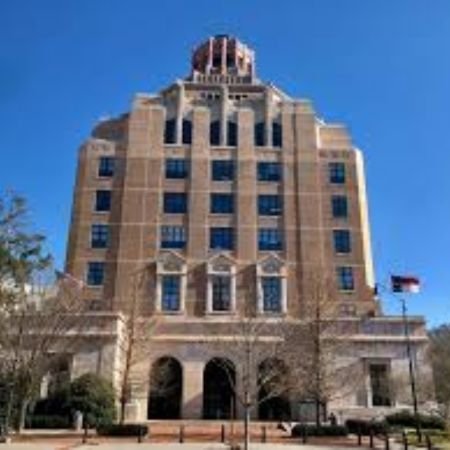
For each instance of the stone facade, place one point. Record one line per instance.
(225, 192)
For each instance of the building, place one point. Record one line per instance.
(224, 190)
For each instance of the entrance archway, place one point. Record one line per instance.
(166, 381)
(219, 400)
(273, 395)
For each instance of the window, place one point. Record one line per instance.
(103, 201)
(342, 243)
(177, 168)
(345, 278)
(187, 131)
(269, 171)
(271, 290)
(270, 239)
(170, 300)
(221, 293)
(214, 133)
(173, 236)
(380, 386)
(170, 131)
(95, 273)
(339, 206)
(175, 202)
(277, 134)
(269, 205)
(99, 236)
(221, 238)
(260, 131)
(222, 203)
(336, 172)
(222, 170)
(106, 166)
(232, 136)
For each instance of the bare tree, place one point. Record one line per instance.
(316, 346)
(440, 360)
(135, 342)
(258, 349)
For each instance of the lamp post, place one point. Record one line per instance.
(412, 377)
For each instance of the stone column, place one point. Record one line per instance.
(199, 187)
(290, 212)
(246, 214)
(308, 177)
(268, 116)
(223, 115)
(192, 407)
(180, 108)
(223, 62)
(210, 56)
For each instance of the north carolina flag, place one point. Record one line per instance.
(405, 284)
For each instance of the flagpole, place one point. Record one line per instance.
(412, 377)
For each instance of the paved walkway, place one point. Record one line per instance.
(173, 446)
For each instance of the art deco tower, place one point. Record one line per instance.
(230, 198)
(221, 185)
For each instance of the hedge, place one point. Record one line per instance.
(407, 419)
(127, 429)
(365, 427)
(324, 430)
(48, 422)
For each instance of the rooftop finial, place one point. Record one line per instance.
(223, 54)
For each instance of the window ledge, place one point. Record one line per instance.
(221, 313)
(172, 313)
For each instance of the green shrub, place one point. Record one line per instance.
(324, 430)
(47, 422)
(57, 403)
(127, 429)
(94, 397)
(364, 427)
(407, 419)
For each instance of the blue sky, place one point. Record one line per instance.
(382, 67)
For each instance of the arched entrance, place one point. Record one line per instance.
(273, 395)
(219, 400)
(166, 381)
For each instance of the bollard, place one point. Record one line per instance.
(428, 442)
(222, 434)
(85, 434)
(359, 437)
(371, 437)
(405, 440)
(139, 436)
(387, 444)
(263, 434)
(148, 432)
(181, 437)
(304, 435)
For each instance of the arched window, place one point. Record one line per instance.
(277, 134)
(232, 135)
(166, 381)
(219, 379)
(170, 132)
(260, 130)
(214, 133)
(273, 396)
(187, 131)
